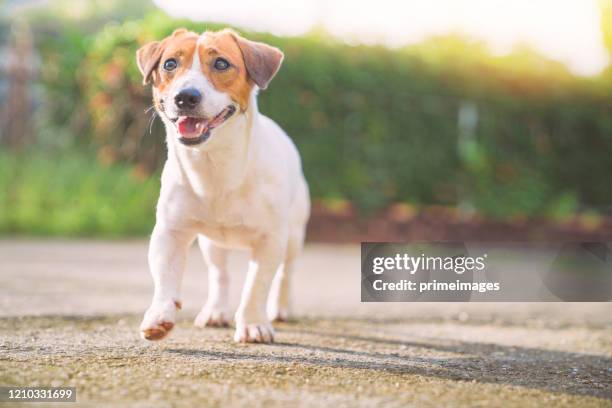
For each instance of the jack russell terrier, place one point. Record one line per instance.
(233, 179)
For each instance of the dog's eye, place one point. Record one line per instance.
(170, 64)
(221, 64)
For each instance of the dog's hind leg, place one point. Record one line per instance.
(279, 299)
(215, 312)
(252, 323)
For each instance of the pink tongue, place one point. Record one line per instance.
(190, 127)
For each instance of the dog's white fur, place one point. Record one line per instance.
(242, 188)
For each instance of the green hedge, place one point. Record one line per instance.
(376, 126)
(72, 194)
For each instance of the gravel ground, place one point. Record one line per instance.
(69, 315)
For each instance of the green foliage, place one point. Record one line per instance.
(74, 195)
(373, 125)
(63, 115)
(605, 7)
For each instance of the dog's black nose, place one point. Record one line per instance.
(188, 98)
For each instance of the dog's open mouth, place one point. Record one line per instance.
(195, 130)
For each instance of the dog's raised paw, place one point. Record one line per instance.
(158, 320)
(212, 317)
(254, 333)
(157, 333)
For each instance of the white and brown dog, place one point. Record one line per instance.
(233, 179)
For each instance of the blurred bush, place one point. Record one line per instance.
(441, 122)
(69, 194)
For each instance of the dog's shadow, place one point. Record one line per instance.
(533, 368)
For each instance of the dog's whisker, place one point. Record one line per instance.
(151, 122)
(149, 109)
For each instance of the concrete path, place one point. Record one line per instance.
(69, 314)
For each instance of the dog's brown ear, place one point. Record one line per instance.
(179, 31)
(262, 61)
(148, 57)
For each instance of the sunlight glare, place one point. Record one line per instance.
(565, 30)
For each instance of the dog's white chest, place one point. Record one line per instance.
(230, 219)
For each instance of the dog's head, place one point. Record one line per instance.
(201, 81)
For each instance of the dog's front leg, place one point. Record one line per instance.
(167, 254)
(252, 323)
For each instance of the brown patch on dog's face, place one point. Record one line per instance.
(233, 80)
(180, 46)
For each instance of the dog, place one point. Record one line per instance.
(233, 179)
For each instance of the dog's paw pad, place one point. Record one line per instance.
(211, 317)
(254, 333)
(158, 321)
(157, 333)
